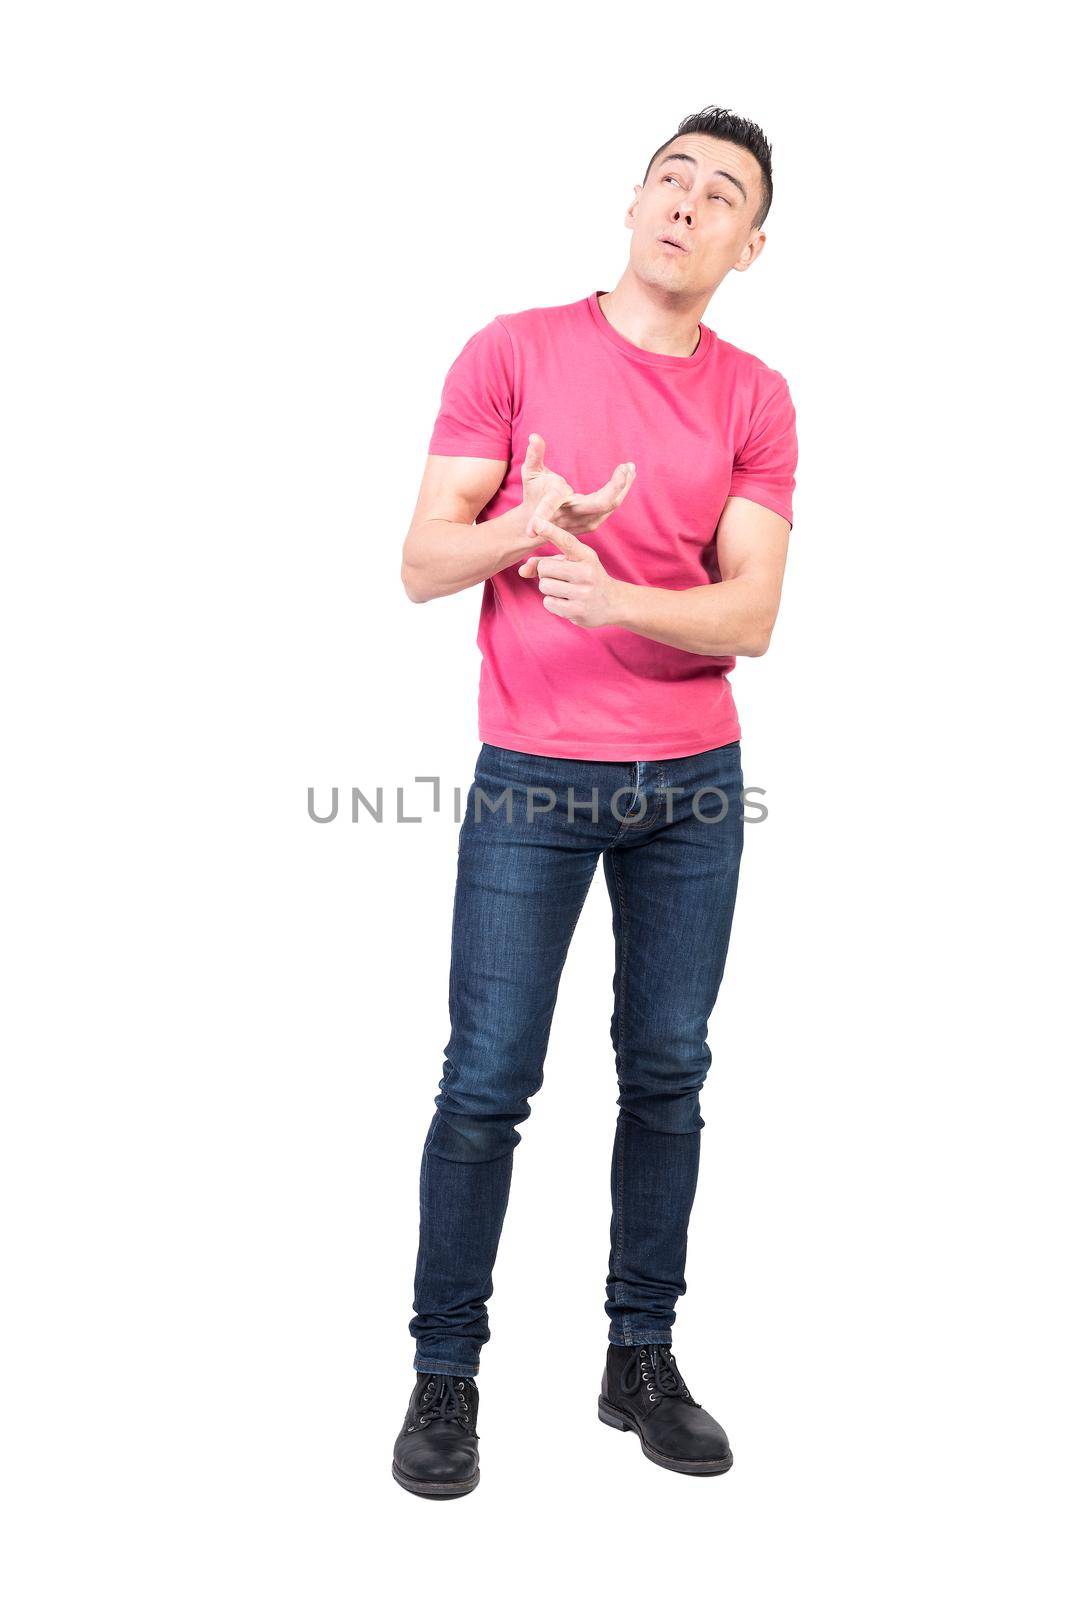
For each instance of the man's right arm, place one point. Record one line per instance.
(445, 550)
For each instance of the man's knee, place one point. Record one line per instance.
(455, 1137)
(660, 1090)
(670, 1112)
(481, 1103)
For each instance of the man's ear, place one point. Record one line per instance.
(629, 218)
(751, 251)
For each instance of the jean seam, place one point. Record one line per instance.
(621, 1048)
(422, 1208)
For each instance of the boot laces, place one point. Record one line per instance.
(443, 1399)
(654, 1367)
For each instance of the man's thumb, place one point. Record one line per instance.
(535, 456)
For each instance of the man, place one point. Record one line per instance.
(610, 620)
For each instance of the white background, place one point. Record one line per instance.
(243, 245)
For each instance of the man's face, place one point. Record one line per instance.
(704, 193)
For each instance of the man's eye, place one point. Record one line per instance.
(670, 179)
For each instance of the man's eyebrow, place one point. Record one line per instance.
(679, 155)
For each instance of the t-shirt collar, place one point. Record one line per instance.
(649, 358)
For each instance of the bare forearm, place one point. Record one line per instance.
(443, 557)
(729, 618)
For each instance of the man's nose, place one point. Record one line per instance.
(684, 215)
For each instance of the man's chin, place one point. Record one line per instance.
(658, 274)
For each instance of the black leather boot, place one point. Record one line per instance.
(436, 1453)
(642, 1392)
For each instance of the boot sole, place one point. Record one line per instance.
(435, 1489)
(696, 1469)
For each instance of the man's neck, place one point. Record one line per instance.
(667, 324)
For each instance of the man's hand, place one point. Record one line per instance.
(546, 494)
(574, 585)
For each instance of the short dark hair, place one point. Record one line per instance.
(719, 123)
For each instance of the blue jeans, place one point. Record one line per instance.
(669, 833)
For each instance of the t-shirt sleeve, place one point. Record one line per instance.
(765, 465)
(475, 415)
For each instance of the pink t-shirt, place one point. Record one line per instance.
(699, 428)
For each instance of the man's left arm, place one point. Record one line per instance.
(733, 617)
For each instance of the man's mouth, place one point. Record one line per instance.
(673, 244)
